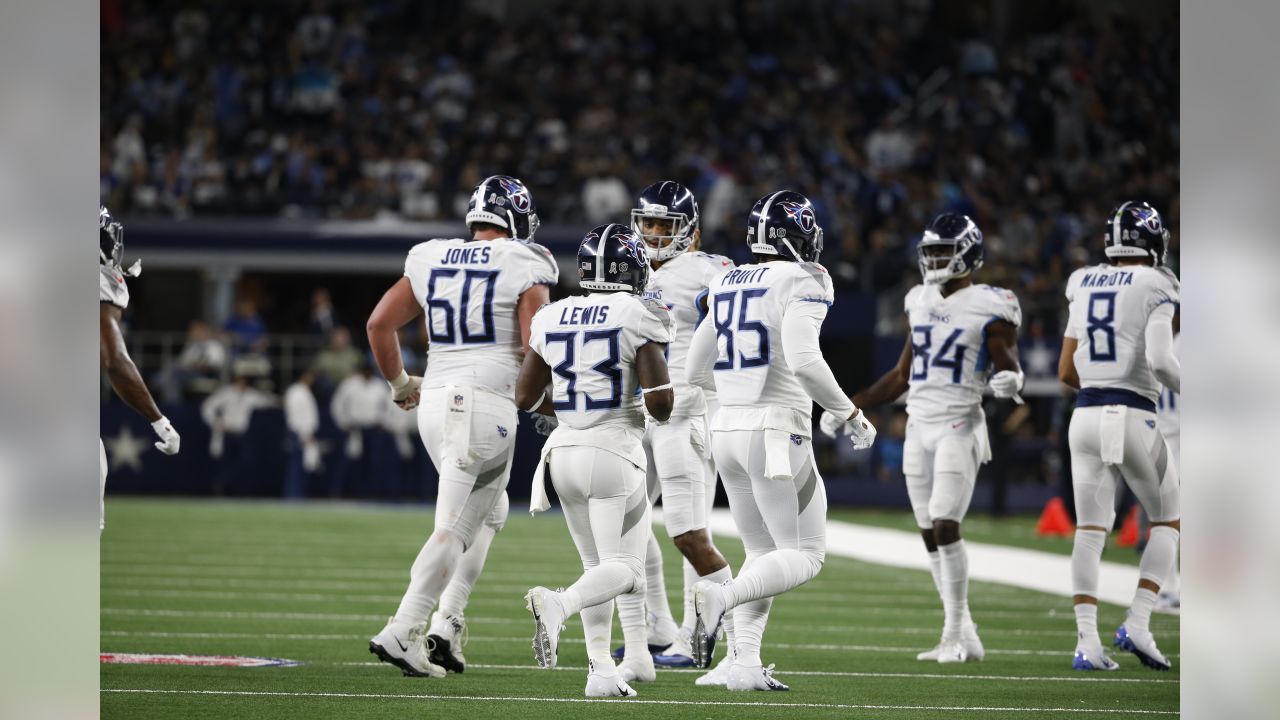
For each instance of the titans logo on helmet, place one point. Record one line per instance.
(518, 193)
(1149, 218)
(802, 215)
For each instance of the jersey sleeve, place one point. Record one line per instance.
(542, 266)
(655, 323)
(1164, 289)
(1073, 329)
(112, 288)
(1003, 305)
(913, 297)
(417, 268)
(815, 288)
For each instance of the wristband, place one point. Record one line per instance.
(399, 381)
(646, 391)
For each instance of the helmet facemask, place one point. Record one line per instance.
(942, 259)
(663, 234)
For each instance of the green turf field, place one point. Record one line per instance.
(313, 582)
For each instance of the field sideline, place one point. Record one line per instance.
(312, 582)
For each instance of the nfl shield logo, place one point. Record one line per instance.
(457, 400)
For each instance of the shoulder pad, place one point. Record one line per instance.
(541, 253)
(658, 310)
(913, 296)
(1168, 274)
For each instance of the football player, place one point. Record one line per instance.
(479, 296)
(679, 467)
(113, 298)
(1118, 351)
(961, 333)
(1169, 420)
(760, 352)
(601, 353)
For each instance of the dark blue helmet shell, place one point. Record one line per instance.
(784, 223)
(506, 202)
(110, 239)
(1135, 229)
(951, 247)
(667, 200)
(610, 259)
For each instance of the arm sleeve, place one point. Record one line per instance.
(702, 355)
(800, 328)
(1160, 355)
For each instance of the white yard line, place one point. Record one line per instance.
(630, 701)
(1019, 567)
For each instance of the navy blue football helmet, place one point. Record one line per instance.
(670, 202)
(504, 201)
(110, 239)
(951, 247)
(610, 259)
(1136, 230)
(785, 221)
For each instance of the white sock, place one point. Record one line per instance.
(1087, 625)
(772, 574)
(631, 616)
(597, 627)
(749, 620)
(955, 588)
(597, 585)
(690, 579)
(1157, 560)
(453, 601)
(720, 576)
(428, 577)
(655, 594)
(935, 568)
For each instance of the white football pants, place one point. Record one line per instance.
(1135, 452)
(940, 462)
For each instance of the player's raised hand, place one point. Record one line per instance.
(830, 424)
(169, 438)
(1006, 383)
(861, 432)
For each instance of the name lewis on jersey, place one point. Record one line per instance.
(1107, 279)
(593, 315)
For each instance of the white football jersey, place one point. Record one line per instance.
(1108, 311)
(949, 360)
(111, 287)
(469, 291)
(680, 285)
(590, 343)
(1167, 413)
(755, 387)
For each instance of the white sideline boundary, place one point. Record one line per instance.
(1018, 567)
(628, 701)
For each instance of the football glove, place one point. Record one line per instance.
(861, 432)
(830, 424)
(1006, 383)
(544, 424)
(169, 438)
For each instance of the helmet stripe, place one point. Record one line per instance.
(1115, 222)
(764, 219)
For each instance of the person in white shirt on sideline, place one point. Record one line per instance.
(302, 420)
(356, 408)
(227, 412)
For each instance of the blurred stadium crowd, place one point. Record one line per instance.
(1033, 118)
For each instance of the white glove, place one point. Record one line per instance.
(169, 438)
(830, 424)
(544, 424)
(310, 456)
(1006, 383)
(861, 432)
(406, 390)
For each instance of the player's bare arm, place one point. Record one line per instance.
(396, 309)
(651, 369)
(526, 307)
(121, 371)
(891, 385)
(1067, 364)
(1002, 345)
(531, 386)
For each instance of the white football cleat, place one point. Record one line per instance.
(548, 619)
(1092, 658)
(932, 654)
(709, 609)
(404, 646)
(742, 677)
(952, 651)
(445, 638)
(679, 654)
(1142, 644)
(662, 631)
(719, 675)
(605, 681)
(637, 669)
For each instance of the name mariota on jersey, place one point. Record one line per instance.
(1111, 278)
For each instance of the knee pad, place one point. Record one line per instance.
(1086, 559)
(1160, 554)
(919, 492)
(955, 468)
(497, 517)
